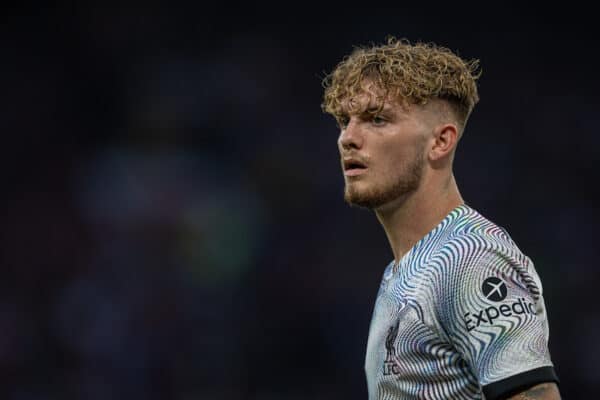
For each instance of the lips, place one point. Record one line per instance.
(354, 166)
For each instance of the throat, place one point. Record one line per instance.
(415, 216)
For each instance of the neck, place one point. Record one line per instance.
(408, 219)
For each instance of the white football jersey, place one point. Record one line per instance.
(460, 317)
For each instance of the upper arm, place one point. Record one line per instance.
(492, 310)
(543, 391)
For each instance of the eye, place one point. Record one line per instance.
(342, 121)
(378, 120)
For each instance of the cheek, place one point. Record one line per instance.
(388, 168)
(396, 159)
(339, 143)
(393, 156)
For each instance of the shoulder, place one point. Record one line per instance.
(476, 247)
(473, 235)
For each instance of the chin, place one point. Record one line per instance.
(364, 199)
(376, 198)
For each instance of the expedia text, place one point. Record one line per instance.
(488, 315)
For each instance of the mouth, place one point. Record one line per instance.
(353, 167)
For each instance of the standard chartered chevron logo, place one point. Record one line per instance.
(494, 289)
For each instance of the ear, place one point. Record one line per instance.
(445, 137)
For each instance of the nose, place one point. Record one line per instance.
(350, 136)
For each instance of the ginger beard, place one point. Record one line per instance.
(406, 180)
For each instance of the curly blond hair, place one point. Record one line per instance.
(413, 73)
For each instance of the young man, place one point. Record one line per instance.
(460, 312)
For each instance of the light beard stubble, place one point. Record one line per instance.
(375, 197)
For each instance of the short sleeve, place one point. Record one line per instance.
(490, 306)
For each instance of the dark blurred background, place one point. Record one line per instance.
(172, 223)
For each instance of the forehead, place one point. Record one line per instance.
(369, 96)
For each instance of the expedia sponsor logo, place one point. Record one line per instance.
(494, 289)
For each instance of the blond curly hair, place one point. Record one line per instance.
(413, 73)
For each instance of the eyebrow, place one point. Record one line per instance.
(375, 109)
(370, 109)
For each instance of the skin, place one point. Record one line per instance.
(408, 151)
(544, 391)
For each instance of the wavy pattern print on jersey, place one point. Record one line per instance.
(431, 336)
